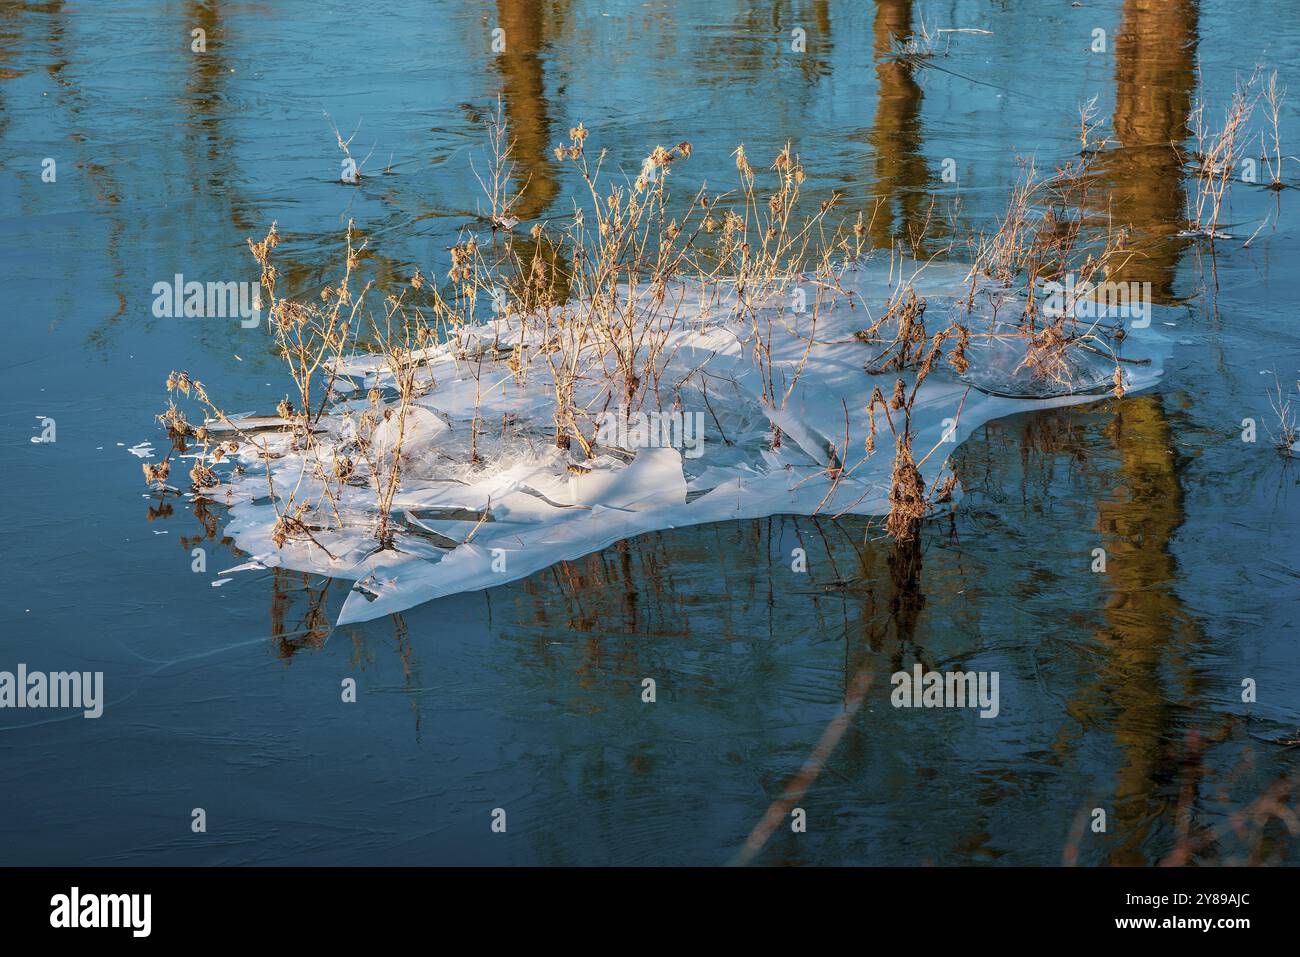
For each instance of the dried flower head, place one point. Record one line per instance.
(899, 398)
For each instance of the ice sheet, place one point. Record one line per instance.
(528, 504)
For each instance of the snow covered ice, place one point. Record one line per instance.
(528, 504)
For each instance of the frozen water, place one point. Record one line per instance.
(528, 504)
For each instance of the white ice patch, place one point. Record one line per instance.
(528, 504)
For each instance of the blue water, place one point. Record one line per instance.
(1119, 691)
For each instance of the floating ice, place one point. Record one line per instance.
(528, 504)
(254, 564)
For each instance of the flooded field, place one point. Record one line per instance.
(1162, 690)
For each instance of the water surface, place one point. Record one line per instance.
(1120, 691)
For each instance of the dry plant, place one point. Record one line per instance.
(907, 347)
(898, 335)
(908, 498)
(624, 253)
(351, 172)
(764, 253)
(502, 196)
(293, 517)
(1040, 240)
(312, 337)
(920, 43)
(1273, 98)
(1089, 123)
(381, 433)
(1288, 431)
(1215, 157)
(595, 300)
(620, 267)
